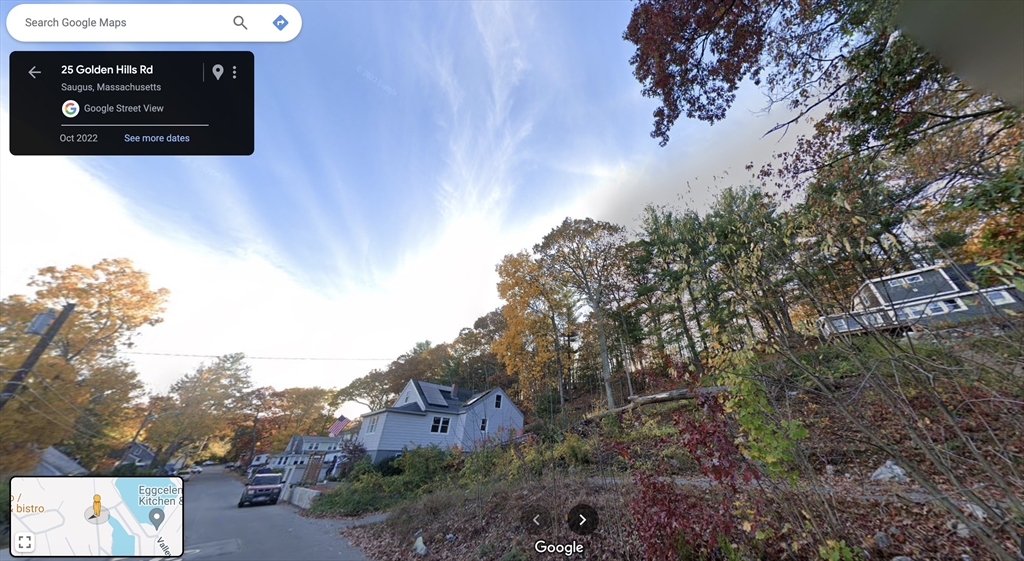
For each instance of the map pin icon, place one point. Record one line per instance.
(217, 71)
(156, 516)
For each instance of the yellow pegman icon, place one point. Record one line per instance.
(96, 505)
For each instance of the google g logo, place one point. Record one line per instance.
(70, 108)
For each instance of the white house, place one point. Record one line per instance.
(426, 414)
(300, 447)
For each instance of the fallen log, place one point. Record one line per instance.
(662, 397)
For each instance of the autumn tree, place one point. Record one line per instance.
(79, 395)
(583, 254)
(538, 306)
(202, 405)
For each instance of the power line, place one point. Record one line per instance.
(256, 357)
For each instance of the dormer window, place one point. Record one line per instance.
(497, 401)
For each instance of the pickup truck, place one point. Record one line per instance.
(263, 487)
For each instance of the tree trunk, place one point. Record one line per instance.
(672, 395)
(690, 343)
(605, 365)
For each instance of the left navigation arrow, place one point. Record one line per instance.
(33, 72)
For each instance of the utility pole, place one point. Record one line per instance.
(149, 416)
(16, 381)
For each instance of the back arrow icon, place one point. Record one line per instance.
(535, 520)
(33, 72)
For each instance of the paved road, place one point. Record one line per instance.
(215, 528)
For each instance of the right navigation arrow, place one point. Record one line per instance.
(583, 520)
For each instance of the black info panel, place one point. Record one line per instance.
(124, 103)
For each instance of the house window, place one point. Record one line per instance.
(406, 399)
(956, 305)
(936, 308)
(906, 280)
(910, 312)
(440, 425)
(999, 298)
(372, 428)
(483, 425)
(497, 401)
(316, 446)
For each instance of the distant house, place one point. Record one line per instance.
(923, 298)
(298, 454)
(137, 453)
(300, 448)
(53, 462)
(426, 414)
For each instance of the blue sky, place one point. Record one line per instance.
(402, 148)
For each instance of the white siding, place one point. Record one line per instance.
(505, 421)
(414, 430)
(372, 440)
(409, 395)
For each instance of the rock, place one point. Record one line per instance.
(889, 472)
(976, 510)
(450, 537)
(965, 558)
(882, 540)
(419, 547)
(830, 470)
(959, 527)
(901, 558)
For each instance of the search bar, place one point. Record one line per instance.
(153, 23)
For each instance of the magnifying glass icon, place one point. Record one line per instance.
(240, 22)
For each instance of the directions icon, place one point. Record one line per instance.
(280, 23)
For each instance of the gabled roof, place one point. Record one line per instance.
(53, 462)
(454, 404)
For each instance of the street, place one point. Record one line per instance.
(216, 528)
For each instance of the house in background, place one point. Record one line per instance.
(54, 462)
(427, 414)
(137, 453)
(930, 297)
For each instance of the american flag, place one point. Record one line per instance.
(338, 426)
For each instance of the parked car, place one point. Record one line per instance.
(209, 463)
(197, 469)
(229, 465)
(184, 474)
(262, 488)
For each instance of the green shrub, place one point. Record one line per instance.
(481, 464)
(421, 466)
(361, 468)
(389, 467)
(368, 493)
(574, 451)
(5, 512)
(514, 554)
(610, 426)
